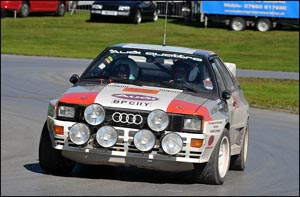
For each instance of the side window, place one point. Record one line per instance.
(225, 74)
(220, 82)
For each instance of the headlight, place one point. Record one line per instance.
(107, 136)
(158, 120)
(94, 114)
(192, 124)
(124, 8)
(144, 140)
(172, 143)
(66, 111)
(79, 133)
(97, 6)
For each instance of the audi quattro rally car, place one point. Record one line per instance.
(150, 105)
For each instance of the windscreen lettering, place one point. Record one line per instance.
(156, 54)
(174, 55)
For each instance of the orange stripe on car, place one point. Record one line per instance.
(140, 90)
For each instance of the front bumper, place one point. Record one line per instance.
(110, 13)
(124, 151)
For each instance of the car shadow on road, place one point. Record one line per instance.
(123, 173)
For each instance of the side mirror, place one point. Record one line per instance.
(226, 94)
(74, 78)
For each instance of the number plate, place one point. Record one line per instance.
(111, 13)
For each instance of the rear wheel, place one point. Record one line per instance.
(263, 24)
(61, 9)
(24, 10)
(217, 167)
(138, 17)
(238, 161)
(237, 24)
(51, 160)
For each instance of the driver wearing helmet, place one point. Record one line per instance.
(183, 71)
(125, 68)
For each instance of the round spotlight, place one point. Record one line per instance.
(158, 120)
(107, 136)
(144, 140)
(79, 133)
(172, 143)
(94, 114)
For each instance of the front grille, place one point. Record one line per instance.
(110, 7)
(176, 120)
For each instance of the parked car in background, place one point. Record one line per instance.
(134, 11)
(24, 8)
(150, 106)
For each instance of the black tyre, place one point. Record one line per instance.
(155, 16)
(93, 18)
(238, 162)
(263, 24)
(51, 160)
(237, 24)
(138, 17)
(217, 167)
(61, 9)
(24, 10)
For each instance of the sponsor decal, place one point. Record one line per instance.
(215, 122)
(132, 103)
(210, 142)
(215, 131)
(136, 97)
(235, 101)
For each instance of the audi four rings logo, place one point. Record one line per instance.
(127, 118)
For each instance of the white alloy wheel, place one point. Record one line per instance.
(224, 157)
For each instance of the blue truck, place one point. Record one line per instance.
(238, 15)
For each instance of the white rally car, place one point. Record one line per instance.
(150, 105)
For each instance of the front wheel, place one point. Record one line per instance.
(237, 24)
(155, 16)
(24, 10)
(51, 160)
(217, 167)
(61, 9)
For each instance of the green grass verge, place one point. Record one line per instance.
(74, 36)
(274, 94)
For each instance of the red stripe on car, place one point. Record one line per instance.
(82, 98)
(183, 107)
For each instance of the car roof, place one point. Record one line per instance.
(175, 49)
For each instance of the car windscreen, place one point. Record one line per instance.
(153, 68)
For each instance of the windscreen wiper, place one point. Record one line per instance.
(126, 81)
(179, 85)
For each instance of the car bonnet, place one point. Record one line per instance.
(126, 96)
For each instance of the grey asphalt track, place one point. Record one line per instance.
(28, 83)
